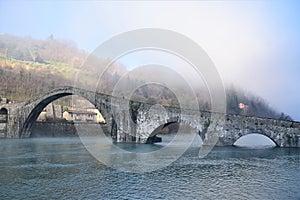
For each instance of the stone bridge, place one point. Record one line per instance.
(137, 122)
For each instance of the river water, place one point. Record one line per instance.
(62, 168)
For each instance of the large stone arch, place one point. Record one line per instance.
(35, 106)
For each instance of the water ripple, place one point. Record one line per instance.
(62, 169)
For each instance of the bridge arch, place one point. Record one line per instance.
(3, 122)
(171, 121)
(255, 140)
(148, 118)
(36, 106)
(3, 115)
(3, 111)
(265, 133)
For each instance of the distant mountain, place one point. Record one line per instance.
(29, 67)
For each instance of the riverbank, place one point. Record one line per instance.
(65, 129)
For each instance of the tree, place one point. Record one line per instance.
(285, 117)
(174, 102)
(65, 108)
(232, 101)
(151, 100)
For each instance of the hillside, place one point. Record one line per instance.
(29, 67)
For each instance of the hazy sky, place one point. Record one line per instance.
(254, 44)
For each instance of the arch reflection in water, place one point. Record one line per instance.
(255, 140)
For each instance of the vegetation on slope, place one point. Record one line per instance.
(29, 67)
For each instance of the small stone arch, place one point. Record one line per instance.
(3, 115)
(3, 122)
(3, 111)
(160, 127)
(164, 124)
(260, 132)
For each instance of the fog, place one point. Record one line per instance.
(254, 44)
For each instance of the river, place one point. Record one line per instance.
(62, 168)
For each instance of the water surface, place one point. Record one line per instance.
(61, 168)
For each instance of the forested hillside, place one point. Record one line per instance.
(29, 67)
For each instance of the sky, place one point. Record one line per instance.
(255, 45)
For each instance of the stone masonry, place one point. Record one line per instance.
(139, 122)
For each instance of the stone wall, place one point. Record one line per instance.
(53, 129)
(65, 129)
(3, 130)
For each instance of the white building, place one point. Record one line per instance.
(80, 115)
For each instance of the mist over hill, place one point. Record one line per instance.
(29, 67)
